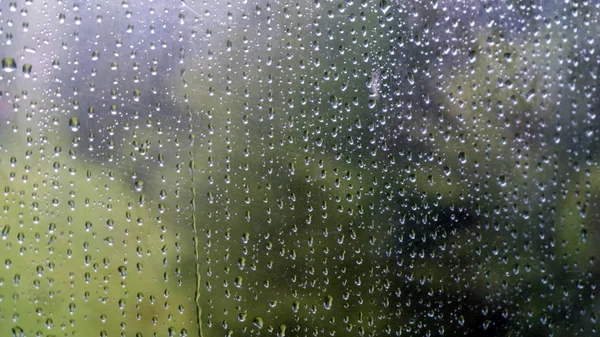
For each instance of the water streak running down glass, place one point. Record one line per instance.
(299, 168)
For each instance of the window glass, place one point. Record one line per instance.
(295, 168)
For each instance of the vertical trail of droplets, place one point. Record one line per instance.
(195, 227)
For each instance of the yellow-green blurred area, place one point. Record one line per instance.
(83, 254)
(304, 168)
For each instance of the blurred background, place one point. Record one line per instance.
(299, 168)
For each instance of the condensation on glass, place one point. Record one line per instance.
(299, 168)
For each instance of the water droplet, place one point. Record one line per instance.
(18, 332)
(258, 322)
(245, 237)
(5, 232)
(486, 324)
(27, 69)
(122, 271)
(9, 64)
(281, 332)
(74, 124)
(502, 180)
(384, 6)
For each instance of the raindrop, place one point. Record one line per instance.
(281, 332)
(9, 64)
(74, 124)
(5, 231)
(18, 332)
(27, 69)
(122, 271)
(258, 322)
(384, 6)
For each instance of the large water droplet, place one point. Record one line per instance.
(9, 64)
(74, 124)
(18, 332)
(27, 69)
